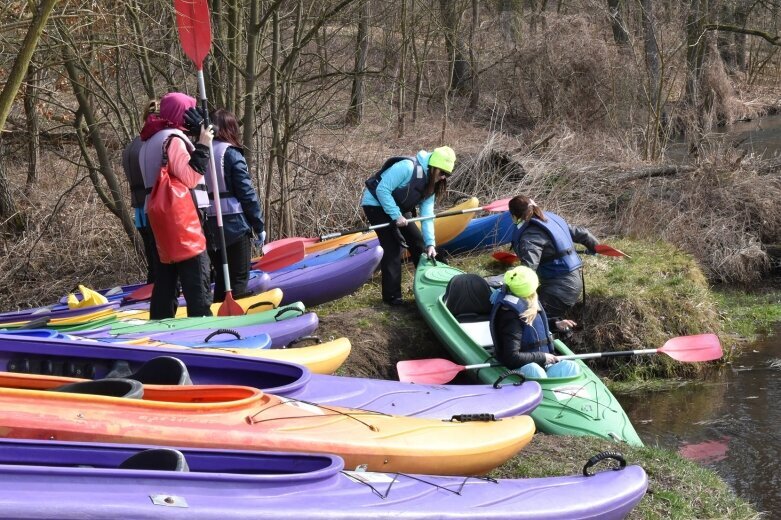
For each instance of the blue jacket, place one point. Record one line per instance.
(398, 176)
(238, 182)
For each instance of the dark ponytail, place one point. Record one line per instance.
(524, 208)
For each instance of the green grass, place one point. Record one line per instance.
(678, 488)
(747, 314)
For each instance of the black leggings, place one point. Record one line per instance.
(239, 257)
(390, 240)
(194, 276)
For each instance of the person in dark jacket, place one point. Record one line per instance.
(544, 242)
(519, 328)
(187, 162)
(132, 169)
(241, 213)
(392, 195)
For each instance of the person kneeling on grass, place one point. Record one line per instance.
(519, 328)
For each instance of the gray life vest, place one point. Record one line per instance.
(229, 204)
(151, 160)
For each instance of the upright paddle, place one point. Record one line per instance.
(508, 258)
(495, 206)
(687, 349)
(195, 35)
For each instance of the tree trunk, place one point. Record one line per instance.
(655, 107)
(402, 74)
(19, 68)
(620, 34)
(8, 211)
(355, 110)
(461, 72)
(474, 98)
(33, 125)
(695, 54)
(507, 21)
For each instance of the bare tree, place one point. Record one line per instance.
(355, 110)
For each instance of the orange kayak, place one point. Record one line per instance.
(238, 417)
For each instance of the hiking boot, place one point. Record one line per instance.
(394, 302)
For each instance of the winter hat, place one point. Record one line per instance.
(521, 281)
(173, 106)
(443, 158)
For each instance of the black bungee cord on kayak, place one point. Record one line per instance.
(335, 413)
(355, 475)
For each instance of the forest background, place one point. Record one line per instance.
(572, 101)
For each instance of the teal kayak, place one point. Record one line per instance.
(131, 326)
(576, 405)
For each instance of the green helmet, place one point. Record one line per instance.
(521, 281)
(443, 158)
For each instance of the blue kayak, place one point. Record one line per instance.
(482, 233)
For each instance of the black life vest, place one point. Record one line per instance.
(536, 337)
(406, 197)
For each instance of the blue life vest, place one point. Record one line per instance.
(406, 197)
(229, 204)
(566, 259)
(536, 337)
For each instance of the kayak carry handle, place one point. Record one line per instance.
(222, 331)
(288, 309)
(355, 248)
(316, 339)
(259, 304)
(599, 457)
(473, 417)
(509, 373)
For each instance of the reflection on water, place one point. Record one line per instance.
(760, 137)
(731, 424)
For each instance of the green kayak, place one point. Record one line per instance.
(576, 405)
(130, 326)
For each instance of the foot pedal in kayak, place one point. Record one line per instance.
(473, 417)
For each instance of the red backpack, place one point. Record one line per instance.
(173, 216)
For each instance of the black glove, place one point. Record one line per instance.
(194, 119)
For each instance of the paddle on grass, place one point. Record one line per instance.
(495, 206)
(195, 35)
(687, 349)
(508, 258)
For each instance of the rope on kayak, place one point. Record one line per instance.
(566, 405)
(251, 419)
(599, 457)
(355, 476)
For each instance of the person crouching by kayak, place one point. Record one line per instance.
(186, 162)
(241, 214)
(544, 242)
(519, 328)
(392, 195)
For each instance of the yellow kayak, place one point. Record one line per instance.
(324, 358)
(445, 229)
(251, 304)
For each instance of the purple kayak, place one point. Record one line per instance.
(320, 283)
(68, 480)
(54, 356)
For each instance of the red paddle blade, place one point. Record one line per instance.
(428, 371)
(692, 349)
(505, 257)
(606, 250)
(142, 293)
(282, 256)
(229, 307)
(195, 29)
(498, 205)
(284, 241)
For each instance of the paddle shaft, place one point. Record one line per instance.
(623, 353)
(387, 224)
(215, 185)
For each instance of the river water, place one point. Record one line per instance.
(761, 137)
(730, 424)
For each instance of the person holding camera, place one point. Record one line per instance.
(167, 143)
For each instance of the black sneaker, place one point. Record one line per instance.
(394, 302)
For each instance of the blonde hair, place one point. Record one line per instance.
(532, 306)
